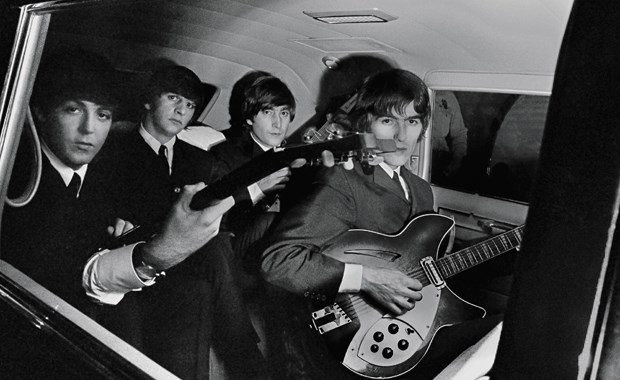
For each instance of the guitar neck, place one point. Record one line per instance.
(353, 146)
(469, 257)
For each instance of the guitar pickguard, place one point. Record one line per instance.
(390, 341)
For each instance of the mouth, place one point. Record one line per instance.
(82, 145)
(175, 121)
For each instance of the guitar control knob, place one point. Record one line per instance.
(378, 336)
(374, 348)
(393, 328)
(387, 352)
(403, 344)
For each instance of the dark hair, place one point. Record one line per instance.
(390, 90)
(74, 74)
(176, 79)
(262, 92)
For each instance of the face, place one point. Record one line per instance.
(76, 130)
(167, 115)
(270, 125)
(404, 129)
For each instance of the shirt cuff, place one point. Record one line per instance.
(351, 278)
(256, 193)
(109, 275)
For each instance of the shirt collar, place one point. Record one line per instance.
(66, 173)
(389, 170)
(154, 144)
(263, 146)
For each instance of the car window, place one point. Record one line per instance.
(487, 143)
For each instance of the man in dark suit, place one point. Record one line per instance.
(382, 198)
(261, 108)
(50, 238)
(197, 307)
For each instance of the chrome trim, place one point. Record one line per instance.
(17, 89)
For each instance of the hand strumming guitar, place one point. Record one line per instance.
(391, 289)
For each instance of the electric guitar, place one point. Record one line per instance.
(359, 146)
(377, 345)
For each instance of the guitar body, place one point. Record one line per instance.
(380, 345)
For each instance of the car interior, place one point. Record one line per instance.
(498, 75)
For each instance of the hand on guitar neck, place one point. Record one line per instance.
(182, 233)
(393, 290)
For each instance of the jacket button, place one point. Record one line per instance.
(177, 190)
(306, 294)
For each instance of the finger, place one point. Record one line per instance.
(348, 164)
(214, 212)
(119, 225)
(404, 303)
(327, 158)
(298, 163)
(188, 193)
(394, 309)
(110, 230)
(128, 226)
(375, 160)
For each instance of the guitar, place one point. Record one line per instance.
(377, 345)
(329, 131)
(360, 146)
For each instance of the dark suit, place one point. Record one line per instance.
(249, 222)
(343, 200)
(52, 237)
(340, 201)
(197, 304)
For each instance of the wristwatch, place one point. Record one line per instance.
(144, 271)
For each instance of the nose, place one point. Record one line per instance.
(276, 121)
(181, 109)
(87, 123)
(400, 131)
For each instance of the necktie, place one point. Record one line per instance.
(74, 185)
(164, 159)
(396, 180)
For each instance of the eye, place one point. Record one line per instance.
(104, 115)
(268, 112)
(72, 109)
(386, 121)
(173, 97)
(285, 113)
(191, 105)
(413, 121)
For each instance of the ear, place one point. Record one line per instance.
(250, 122)
(38, 114)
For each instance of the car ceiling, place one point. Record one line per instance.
(234, 36)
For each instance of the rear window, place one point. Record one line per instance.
(487, 143)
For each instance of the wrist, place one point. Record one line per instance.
(145, 268)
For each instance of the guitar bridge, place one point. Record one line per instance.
(428, 264)
(329, 318)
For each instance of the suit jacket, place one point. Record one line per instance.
(340, 200)
(148, 190)
(196, 306)
(251, 222)
(52, 237)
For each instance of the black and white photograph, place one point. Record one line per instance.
(309, 190)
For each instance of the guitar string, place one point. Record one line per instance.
(506, 241)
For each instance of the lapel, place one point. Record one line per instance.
(383, 179)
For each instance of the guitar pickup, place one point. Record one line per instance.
(329, 318)
(428, 264)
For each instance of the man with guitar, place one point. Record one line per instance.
(391, 105)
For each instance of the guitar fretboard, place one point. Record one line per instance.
(466, 258)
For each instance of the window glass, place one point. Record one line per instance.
(487, 143)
